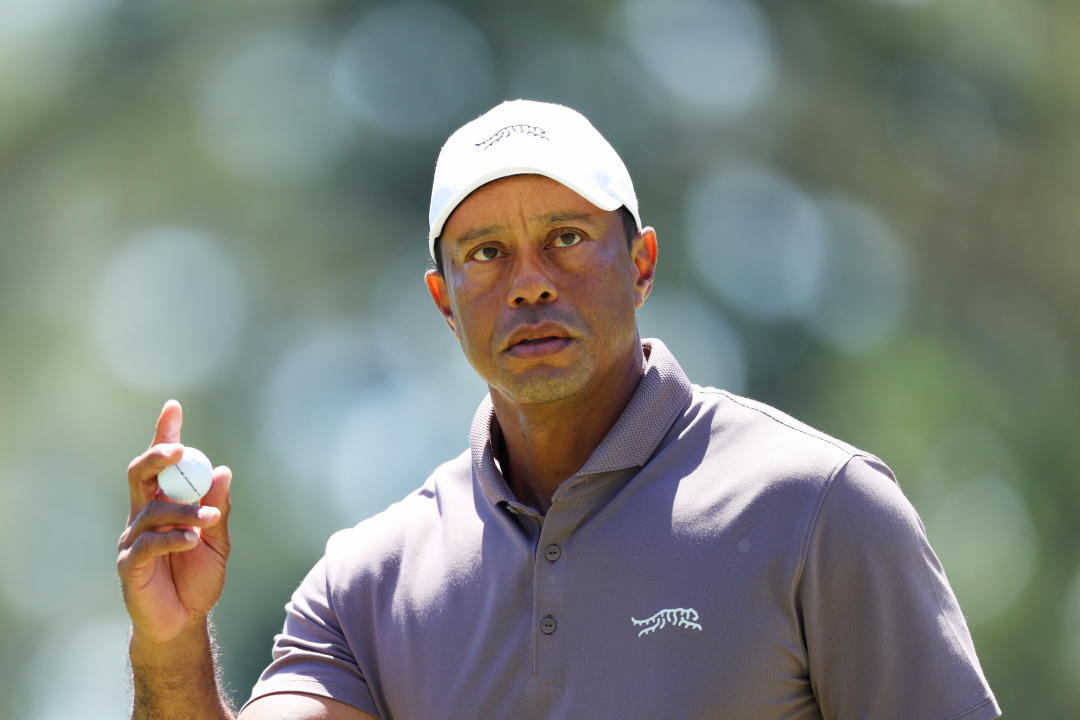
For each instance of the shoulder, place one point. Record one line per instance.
(744, 414)
(863, 506)
(735, 459)
(446, 498)
(760, 440)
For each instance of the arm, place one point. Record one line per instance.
(884, 634)
(181, 676)
(171, 564)
(177, 678)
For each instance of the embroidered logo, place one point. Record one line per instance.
(509, 130)
(685, 618)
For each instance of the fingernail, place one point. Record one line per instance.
(207, 513)
(190, 536)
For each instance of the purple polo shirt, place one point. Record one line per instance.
(714, 558)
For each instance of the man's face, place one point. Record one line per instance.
(541, 289)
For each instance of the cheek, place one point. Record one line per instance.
(616, 316)
(473, 316)
(612, 293)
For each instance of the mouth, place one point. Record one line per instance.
(537, 341)
(535, 348)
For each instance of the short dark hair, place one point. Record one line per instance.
(630, 229)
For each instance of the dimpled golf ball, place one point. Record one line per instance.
(189, 479)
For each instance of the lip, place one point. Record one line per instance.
(541, 340)
(535, 349)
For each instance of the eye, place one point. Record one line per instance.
(566, 238)
(486, 253)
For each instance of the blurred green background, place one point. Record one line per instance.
(867, 212)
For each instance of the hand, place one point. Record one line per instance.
(172, 557)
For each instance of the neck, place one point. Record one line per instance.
(544, 444)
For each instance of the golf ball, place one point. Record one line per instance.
(189, 479)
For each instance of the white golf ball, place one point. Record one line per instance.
(189, 479)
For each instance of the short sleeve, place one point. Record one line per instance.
(884, 634)
(311, 654)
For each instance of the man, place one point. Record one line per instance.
(616, 542)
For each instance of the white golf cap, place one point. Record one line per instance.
(521, 137)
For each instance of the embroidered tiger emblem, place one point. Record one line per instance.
(685, 618)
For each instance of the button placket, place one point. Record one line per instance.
(550, 568)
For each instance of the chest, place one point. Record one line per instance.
(669, 612)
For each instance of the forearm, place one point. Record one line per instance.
(177, 680)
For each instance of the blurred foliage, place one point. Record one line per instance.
(867, 213)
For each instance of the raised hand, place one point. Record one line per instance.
(172, 557)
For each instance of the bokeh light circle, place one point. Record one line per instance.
(758, 241)
(555, 75)
(714, 56)
(978, 524)
(37, 490)
(270, 112)
(169, 312)
(707, 347)
(312, 385)
(89, 654)
(372, 464)
(415, 69)
(862, 294)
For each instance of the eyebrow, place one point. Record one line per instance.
(476, 233)
(554, 218)
(565, 216)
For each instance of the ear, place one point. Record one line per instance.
(644, 254)
(436, 285)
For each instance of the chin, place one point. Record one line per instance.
(538, 387)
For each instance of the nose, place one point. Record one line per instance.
(530, 283)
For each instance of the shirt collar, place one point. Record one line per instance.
(663, 393)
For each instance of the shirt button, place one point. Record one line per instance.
(547, 625)
(552, 552)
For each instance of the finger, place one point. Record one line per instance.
(143, 470)
(168, 425)
(218, 494)
(219, 498)
(152, 545)
(160, 515)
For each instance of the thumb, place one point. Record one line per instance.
(218, 497)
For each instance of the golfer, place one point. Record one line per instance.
(615, 542)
